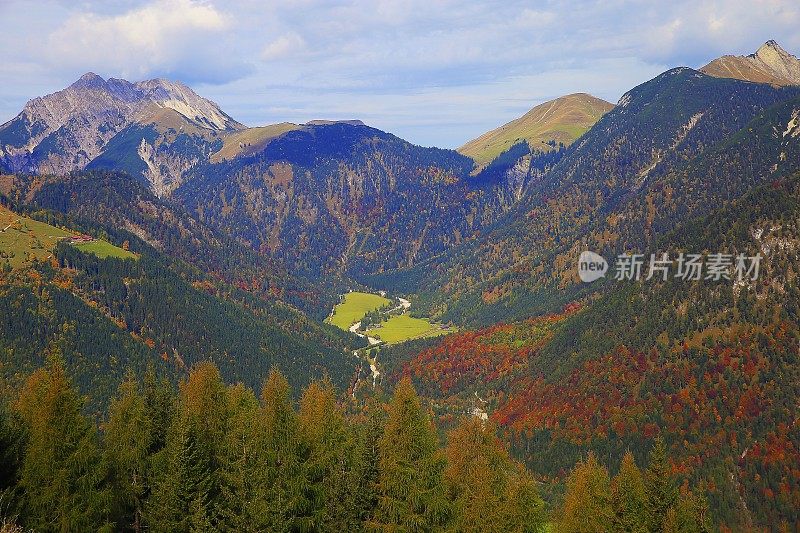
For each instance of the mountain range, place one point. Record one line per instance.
(245, 237)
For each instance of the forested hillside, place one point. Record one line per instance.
(709, 366)
(342, 198)
(674, 147)
(108, 315)
(123, 205)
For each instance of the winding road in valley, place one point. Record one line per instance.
(403, 304)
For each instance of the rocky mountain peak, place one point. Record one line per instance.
(769, 64)
(66, 130)
(90, 80)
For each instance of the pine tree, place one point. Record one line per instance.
(62, 473)
(628, 498)
(12, 446)
(587, 502)
(659, 486)
(159, 398)
(490, 491)
(127, 447)
(362, 496)
(691, 511)
(243, 500)
(329, 460)
(186, 477)
(289, 495)
(411, 492)
(183, 483)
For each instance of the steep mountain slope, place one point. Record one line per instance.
(673, 148)
(124, 204)
(66, 130)
(558, 121)
(107, 316)
(769, 64)
(712, 366)
(345, 198)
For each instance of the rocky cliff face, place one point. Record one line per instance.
(769, 64)
(66, 130)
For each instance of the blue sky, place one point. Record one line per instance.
(435, 72)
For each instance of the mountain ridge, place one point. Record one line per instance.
(561, 120)
(65, 130)
(769, 64)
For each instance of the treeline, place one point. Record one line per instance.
(210, 457)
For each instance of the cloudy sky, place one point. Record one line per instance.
(436, 72)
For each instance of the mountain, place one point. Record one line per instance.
(558, 121)
(99, 121)
(709, 366)
(769, 64)
(672, 148)
(342, 198)
(107, 316)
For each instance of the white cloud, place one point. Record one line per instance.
(285, 46)
(436, 71)
(162, 37)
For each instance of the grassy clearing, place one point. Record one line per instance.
(354, 307)
(103, 249)
(401, 328)
(24, 239)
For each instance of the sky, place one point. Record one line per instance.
(435, 72)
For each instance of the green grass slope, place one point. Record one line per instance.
(401, 328)
(561, 120)
(23, 239)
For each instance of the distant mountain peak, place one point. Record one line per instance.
(561, 120)
(90, 80)
(770, 44)
(769, 64)
(68, 129)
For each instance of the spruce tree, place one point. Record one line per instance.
(362, 495)
(187, 484)
(660, 487)
(289, 496)
(628, 497)
(127, 447)
(411, 492)
(587, 502)
(243, 500)
(691, 511)
(329, 460)
(12, 446)
(183, 483)
(63, 473)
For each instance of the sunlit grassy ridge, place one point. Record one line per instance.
(561, 120)
(250, 140)
(354, 307)
(103, 249)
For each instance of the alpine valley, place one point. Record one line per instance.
(213, 242)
